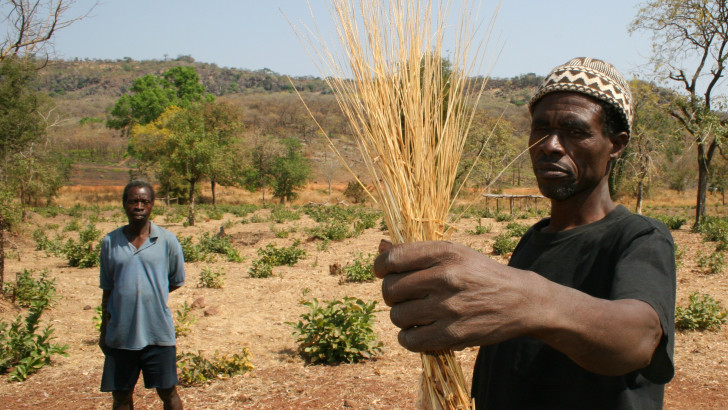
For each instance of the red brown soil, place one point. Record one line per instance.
(253, 314)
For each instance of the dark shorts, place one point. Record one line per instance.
(158, 365)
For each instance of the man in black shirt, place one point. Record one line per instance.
(583, 315)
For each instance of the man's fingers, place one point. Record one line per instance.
(408, 257)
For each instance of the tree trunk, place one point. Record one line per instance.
(2, 253)
(191, 217)
(212, 187)
(702, 187)
(330, 181)
(640, 194)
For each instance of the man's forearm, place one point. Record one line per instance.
(609, 337)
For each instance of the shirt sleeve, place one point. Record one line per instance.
(176, 263)
(646, 272)
(106, 273)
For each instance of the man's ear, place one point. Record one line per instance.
(619, 142)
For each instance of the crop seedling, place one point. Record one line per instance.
(184, 320)
(211, 278)
(703, 313)
(196, 369)
(26, 290)
(337, 331)
(361, 269)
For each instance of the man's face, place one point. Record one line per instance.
(139, 204)
(569, 152)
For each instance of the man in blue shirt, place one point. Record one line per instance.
(140, 264)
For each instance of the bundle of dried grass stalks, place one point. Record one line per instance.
(410, 109)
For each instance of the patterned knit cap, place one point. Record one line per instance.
(593, 77)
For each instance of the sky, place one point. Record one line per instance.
(535, 35)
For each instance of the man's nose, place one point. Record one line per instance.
(551, 143)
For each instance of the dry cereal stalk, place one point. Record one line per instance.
(410, 109)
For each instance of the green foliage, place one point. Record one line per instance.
(74, 225)
(504, 244)
(361, 269)
(24, 349)
(215, 213)
(290, 172)
(283, 255)
(260, 269)
(27, 290)
(715, 229)
(211, 278)
(43, 243)
(86, 252)
(97, 317)
(516, 230)
(701, 314)
(355, 192)
(280, 214)
(672, 222)
(184, 320)
(238, 210)
(713, 263)
(337, 331)
(219, 244)
(331, 231)
(501, 217)
(480, 229)
(196, 369)
(190, 250)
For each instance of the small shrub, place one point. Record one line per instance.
(184, 320)
(355, 192)
(190, 250)
(209, 278)
(196, 369)
(74, 225)
(27, 290)
(281, 214)
(260, 269)
(480, 229)
(516, 230)
(713, 263)
(257, 219)
(219, 244)
(504, 244)
(23, 349)
(701, 314)
(337, 331)
(332, 231)
(97, 317)
(215, 214)
(501, 217)
(281, 256)
(43, 243)
(361, 269)
(714, 229)
(672, 222)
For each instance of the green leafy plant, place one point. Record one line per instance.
(332, 231)
(337, 331)
(360, 269)
(516, 230)
(23, 348)
(260, 269)
(196, 369)
(672, 222)
(190, 250)
(26, 290)
(501, 217)
(211, 278)
(702, 313)
(97, 317)
(713, 263)
(480, 229)
(184, 320)
(504, 244)
(355, 192)
(281, 214)
(84, 253)
(219, 244)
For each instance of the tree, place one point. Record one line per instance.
(651, 129)
(690, 47)
(224, 124)
(489, 148)
(290, 171)
(265, 150)
(151, 95)
(32, 24)
(188, 143)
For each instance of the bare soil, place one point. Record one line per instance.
(253, 313)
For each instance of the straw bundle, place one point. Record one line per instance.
(410, 110)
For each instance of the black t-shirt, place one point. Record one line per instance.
(623, 256)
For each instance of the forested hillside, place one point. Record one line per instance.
(86, 90)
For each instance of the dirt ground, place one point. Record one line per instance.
(253, 313)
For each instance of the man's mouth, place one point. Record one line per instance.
(550, 170)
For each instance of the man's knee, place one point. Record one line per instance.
(123, 399)
(170, 397)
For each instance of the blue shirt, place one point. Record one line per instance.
(139, 281)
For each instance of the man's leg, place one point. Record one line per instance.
(170, 398)
(123, 399)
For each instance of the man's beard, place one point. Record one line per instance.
(558, 191)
